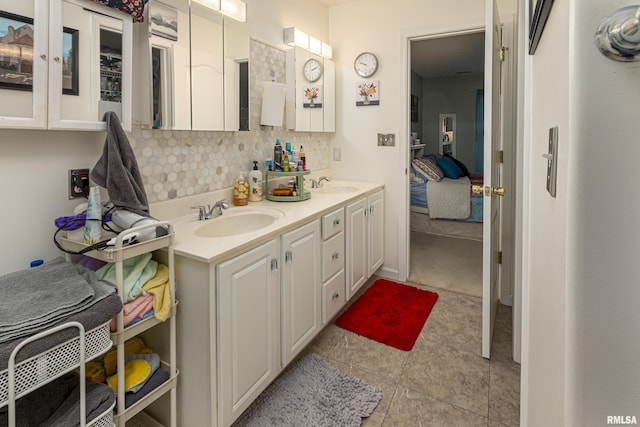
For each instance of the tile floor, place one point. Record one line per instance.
(443, 380)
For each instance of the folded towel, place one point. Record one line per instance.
(35, 299)
(158, 286)
(137, 271)
(133, 310)
(117, 170)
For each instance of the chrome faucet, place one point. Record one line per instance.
(318, 183)
(208, 212)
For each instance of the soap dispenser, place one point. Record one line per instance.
(255, 183)
(240, 191)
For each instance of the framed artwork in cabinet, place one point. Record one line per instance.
(70, 61)
(16, 51)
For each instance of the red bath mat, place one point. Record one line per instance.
(390, 313)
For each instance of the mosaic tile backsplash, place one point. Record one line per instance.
(184, 163)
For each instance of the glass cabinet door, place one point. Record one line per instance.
(23, 63)
(90, 66)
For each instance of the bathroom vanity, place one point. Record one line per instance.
(258, 283)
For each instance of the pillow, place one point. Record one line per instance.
(428, 168)
(462, 166)
(450, 169)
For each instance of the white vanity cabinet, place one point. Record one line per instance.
(301, 289)
(248, 302)
(365, 240)
(67, 62)
(333, 275)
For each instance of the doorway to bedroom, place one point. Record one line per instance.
(446, 157)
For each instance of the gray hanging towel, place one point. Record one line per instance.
(117, 170)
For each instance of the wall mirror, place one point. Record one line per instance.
(207, 68)
(236, 75)
(447, 134)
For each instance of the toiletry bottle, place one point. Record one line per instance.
(295, 154)
(277, 156)
(287, 147)
(285, 162)
(255, 183)
(302, 159)
(240, 191)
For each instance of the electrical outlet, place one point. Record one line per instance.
(337, 154)
(78, 183)
(386, 139)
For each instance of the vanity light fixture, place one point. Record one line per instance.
(296, 37)
(212, 4)
(327, 50)
(236, 9)
(315, 45)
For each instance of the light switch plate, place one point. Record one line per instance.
(337, 154)
(386, 139)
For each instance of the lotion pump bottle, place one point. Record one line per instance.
(255, 183)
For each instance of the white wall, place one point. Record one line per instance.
(582, 352)
(357, 127)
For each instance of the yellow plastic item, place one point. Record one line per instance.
(94, 370)
(134, 345)
(136, 372)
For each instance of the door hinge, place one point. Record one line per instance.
(502, 53)
(499, 257)
(500, 157)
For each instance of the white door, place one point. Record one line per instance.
(491, 231)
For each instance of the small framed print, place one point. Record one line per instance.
(367, 93)
(16, 47)
(164, 21)
(312, 97)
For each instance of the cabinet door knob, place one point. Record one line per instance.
(335, 295)
(43, 56)
(57, 59)
(336, 222)
(288, 257)
(335, 256)
(274, 264)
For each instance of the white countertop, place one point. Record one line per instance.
(292, 215)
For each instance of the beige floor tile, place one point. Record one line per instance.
(504, 393)
(354, 350)
(327, 340)
(413, 408)
(450, 375)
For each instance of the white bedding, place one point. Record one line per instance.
(449, 198)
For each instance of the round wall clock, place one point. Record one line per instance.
(366, 64)
(312, 70)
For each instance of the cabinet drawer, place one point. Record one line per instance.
(332, 255)
(332, 223)
(333, 296)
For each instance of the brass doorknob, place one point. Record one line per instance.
(497, 191)
(487, 191)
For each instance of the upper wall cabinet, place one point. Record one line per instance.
(311, 89)
(195, 64)
(163, 48)
(63, 64)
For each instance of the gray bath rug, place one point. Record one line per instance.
(312, 393)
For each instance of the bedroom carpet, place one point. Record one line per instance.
(390, 313)
(446, 263)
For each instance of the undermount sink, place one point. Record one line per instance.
(337, 189)
(238, 221)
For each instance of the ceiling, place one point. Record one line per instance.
(448, 56)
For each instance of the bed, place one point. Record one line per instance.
(442, 202)
(43, 366)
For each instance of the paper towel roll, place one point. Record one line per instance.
(272, 104)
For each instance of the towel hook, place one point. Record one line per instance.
(618, 36)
